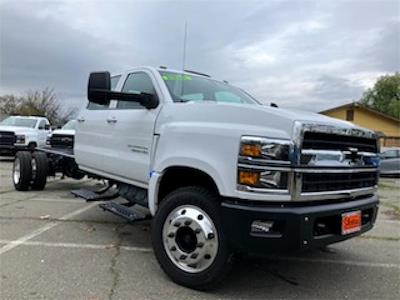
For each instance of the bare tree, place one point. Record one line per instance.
(37, 103)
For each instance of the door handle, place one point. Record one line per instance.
(112, 120)
(81, 120)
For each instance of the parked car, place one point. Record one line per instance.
(63, 137)
(22, 133)
(390, 161)
(217, 171)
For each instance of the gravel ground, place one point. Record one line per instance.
(55, 246)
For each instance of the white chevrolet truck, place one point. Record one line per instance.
(217, 171)
(22, 133)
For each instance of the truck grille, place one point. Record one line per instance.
(62, 141)
(321, 182)
(7, 138)
(327, 141)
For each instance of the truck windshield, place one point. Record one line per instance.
(70, 125)
(19, 122)
(185, 87)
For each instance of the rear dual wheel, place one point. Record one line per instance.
(30, 170)
(188, 240)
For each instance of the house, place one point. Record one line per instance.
(387, 127)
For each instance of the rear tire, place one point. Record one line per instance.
(188, 239)
(22, 171)
(39, 176)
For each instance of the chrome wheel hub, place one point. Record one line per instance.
(17, 171)
(34, 168)
(190, 238)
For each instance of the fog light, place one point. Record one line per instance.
(261, 226)
(274, 179)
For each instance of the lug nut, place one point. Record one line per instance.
(200, 245)
(197, 231)
(200, 217)
(192, 265)
(207, 256)
(210, 236)
(173, 248)
(188, 222)
(194, 255)
(171, 235)
(183, 212)
(182, 257)
(177, 224)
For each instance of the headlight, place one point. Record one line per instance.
(263, 148)
(20, 139)
(263, 164)
(48, 139)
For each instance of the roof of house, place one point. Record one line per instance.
(360, 105)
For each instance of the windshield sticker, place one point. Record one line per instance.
(177, 77)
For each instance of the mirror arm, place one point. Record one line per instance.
(147, 100)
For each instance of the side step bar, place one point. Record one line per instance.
(122, 211)
(100, 195)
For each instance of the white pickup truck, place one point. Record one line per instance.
(219, 172)
(22, 133)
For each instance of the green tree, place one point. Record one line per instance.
(36, 103)
(385, 95)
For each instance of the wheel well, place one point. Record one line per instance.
(175, 177)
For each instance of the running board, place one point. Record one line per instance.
(91, 196)
(122, 211)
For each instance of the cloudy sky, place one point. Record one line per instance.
(303, 54)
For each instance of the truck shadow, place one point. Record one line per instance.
(313, 274)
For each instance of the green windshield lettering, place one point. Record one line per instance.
(176, 77)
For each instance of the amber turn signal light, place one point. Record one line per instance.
(251, 150)
(249, 178)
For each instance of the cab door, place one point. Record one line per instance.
(43, 131)
(93, 144)
(132, 127)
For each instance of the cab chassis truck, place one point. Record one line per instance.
(218, 172)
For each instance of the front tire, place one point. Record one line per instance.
(188, 239)
(22, 171)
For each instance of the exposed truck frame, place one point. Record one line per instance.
(217, 178)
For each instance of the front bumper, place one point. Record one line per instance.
(296, 226)
(12, 149)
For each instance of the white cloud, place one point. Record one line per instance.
(305, 54)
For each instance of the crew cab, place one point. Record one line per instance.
(218, 171)
(22, 133)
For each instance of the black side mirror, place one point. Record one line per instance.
(99, 92)
(47, 127)
(99, 88)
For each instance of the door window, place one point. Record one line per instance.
(136, 83)
(42, 125)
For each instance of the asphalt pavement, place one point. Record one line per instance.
(55, 246)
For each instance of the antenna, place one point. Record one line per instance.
(184, 47)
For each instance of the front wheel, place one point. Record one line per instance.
(188, 239)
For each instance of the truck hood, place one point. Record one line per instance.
(17, 130)
(64, 131)
(246, 119)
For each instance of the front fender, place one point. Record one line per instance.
(180, 161)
